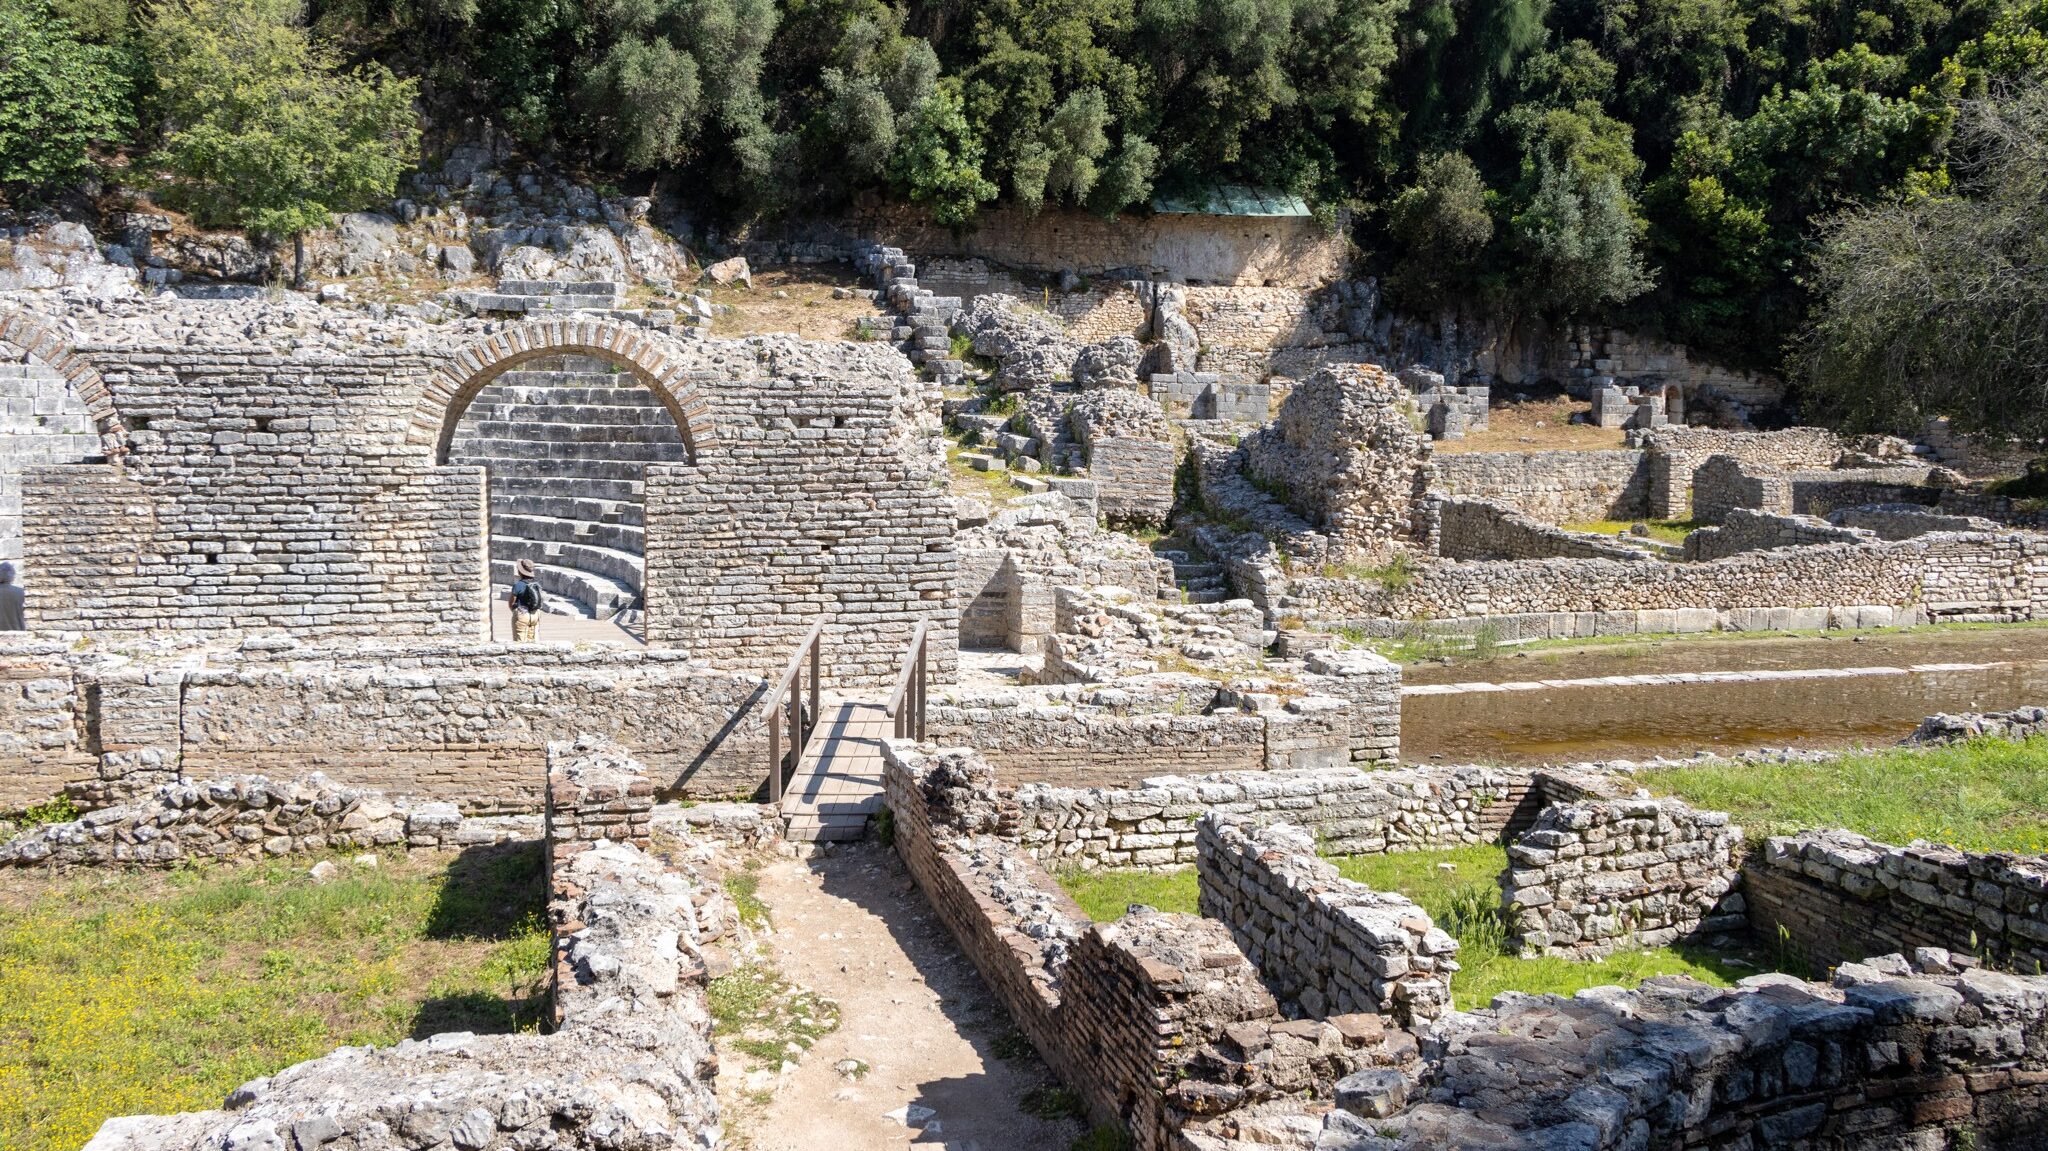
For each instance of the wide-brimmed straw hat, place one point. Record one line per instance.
(525, 568)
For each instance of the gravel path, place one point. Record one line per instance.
(853, 927)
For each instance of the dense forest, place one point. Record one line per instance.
(1675, 165)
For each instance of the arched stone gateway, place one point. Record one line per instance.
(46, 345)
(473, 367)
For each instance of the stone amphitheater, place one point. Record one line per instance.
(566, 445)
(1099, 595)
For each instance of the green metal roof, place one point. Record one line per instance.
(1232, 200)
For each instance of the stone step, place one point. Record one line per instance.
(597, 596)
(824, 829)
(555, 529)
(623, 567)
(602, 512)
(1204, 583)
(505, 443)
(1207, 595)
(570, 487)
(561, 288)
(621, 388)
(614, 419)
(1185, 570)
(569, 468)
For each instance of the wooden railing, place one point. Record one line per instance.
(788, 709)
(907, 704)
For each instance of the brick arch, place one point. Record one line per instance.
(45, 344)
(471, 369)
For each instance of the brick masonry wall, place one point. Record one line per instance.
(1323, 943)
(1596, 877)
(1553, 487)
(1840, 897)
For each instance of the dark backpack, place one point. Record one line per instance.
(529, 595)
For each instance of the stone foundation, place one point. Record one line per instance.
(1551, 487)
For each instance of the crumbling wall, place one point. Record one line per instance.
(1743, 530)
(1009, 567)
(1597, 877)
(1323, 943)
(1478, 530)
(1345, 456)
(1837, 896)
(1676, 452)
(1725, 483)
(1552, 487)
(1896, 521)
(1351, 812)
(630, 1063)
(465, 724)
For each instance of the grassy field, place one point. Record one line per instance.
(1462, 900)
(160, 992)
(1985, 795)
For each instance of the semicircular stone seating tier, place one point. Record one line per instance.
(565, 428)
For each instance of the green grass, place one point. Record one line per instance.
(1108, 893)
(763, 1016)
(1668, 531)
(1984, 795)
(1397, 573)
(1463, 901)
(743, 887)
(150, 992)
(1420, 643)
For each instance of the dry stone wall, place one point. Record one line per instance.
(1593, 878)
(1346, 458)
(1479, 530)
(247, 817)
(1552, 487)
(1934, 577)
(630, 1064)
(1743, 530)
(1350, 812)
(1323, 943)
(1676, 452)
(1838, 896)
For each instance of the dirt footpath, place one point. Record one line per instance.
(852, 926)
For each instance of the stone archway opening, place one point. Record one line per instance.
(565, 441)
(43, 421)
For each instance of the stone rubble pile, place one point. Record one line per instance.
(2019, 723)
(251, 816)
(1343, 455)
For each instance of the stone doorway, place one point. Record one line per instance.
(565, 441)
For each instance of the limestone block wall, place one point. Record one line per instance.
(42, 421)
(1895, 521)
(1350, 812)
(1724, 483)
(1345, 457)
(1480, 530)
(1952, 577)
(1596, 877)
(1820, 493)
(1093, 746)
(1552, 487)
(1134, 478)
(1676, 452)
(1241, 327)
(466, 725)
(823, 502)
(1743, 530)
(1323, 943)
(1840, 897)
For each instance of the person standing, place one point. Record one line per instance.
(13, 601)
(527, 602)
